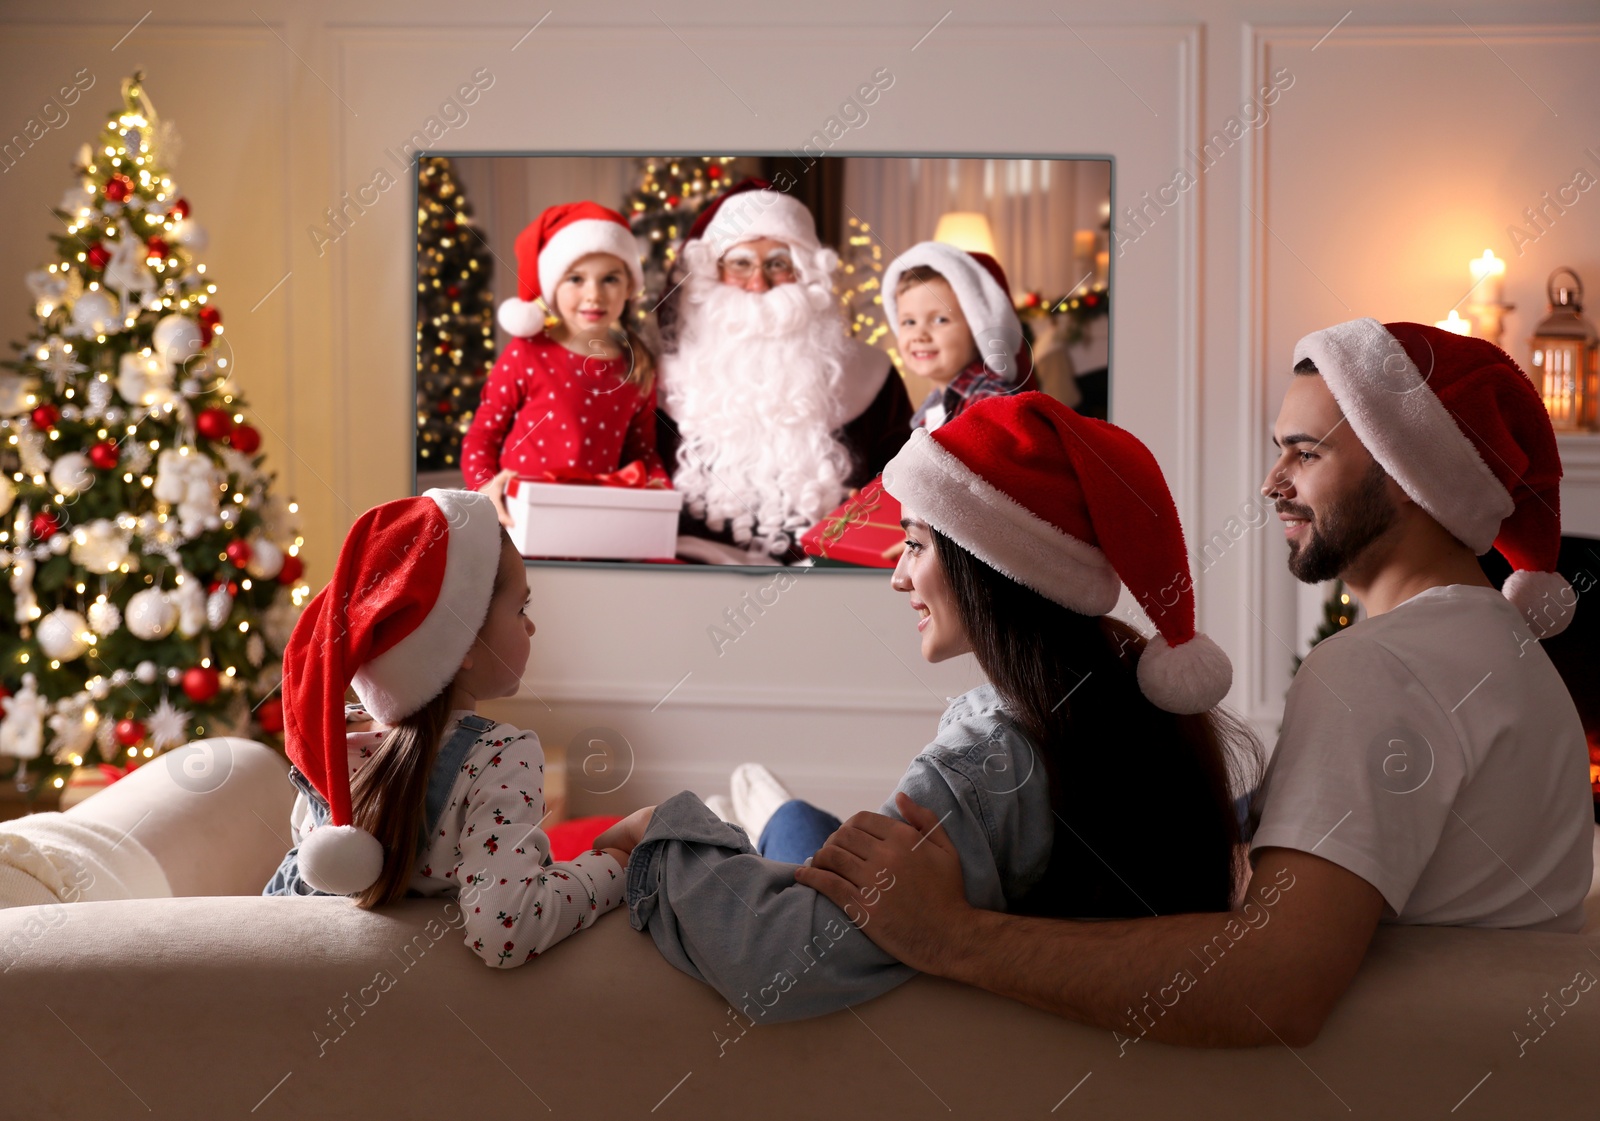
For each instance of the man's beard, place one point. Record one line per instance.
(752, 387)
(1349, 527)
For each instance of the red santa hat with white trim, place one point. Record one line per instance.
(550, 245)
(1073, 508)
(1461, 428)
(985, 298)
(751, 209)
(408, 596)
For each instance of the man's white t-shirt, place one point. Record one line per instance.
(1435, 752)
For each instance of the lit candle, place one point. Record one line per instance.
(1488, 276)
(1102, 266)
(1083, 245)
(1455, 324)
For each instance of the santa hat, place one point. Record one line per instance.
(1459, 426)
(547, 248)
(985, 298)
(1071, 507)
(751, 209)
(408, 596)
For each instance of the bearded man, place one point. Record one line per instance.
(770, 411)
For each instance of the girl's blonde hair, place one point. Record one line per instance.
(388, 795)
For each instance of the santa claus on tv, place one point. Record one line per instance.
(770, 412)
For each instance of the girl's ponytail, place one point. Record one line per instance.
(389, 792)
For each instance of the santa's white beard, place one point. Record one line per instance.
(752, 388)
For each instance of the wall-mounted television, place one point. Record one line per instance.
(690, 359)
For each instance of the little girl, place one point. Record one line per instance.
(575, 388)
(1089, 778)
(955, 325)
(425, 617)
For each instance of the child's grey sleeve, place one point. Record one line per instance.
(774, 949)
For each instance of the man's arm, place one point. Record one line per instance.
(1269, 971)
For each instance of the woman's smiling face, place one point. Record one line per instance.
(920, 573)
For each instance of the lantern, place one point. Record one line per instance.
(1565, 356)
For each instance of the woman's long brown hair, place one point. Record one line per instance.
(388, 795)
(1143, 799)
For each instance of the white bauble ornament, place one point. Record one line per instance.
(14, 393)
(145, 380)
(219, 605)
(60, 543)
(77, 199)
(119, 678)
(145, 671)
(266, 559)
(151, 615)
(61, 635)
(71, 473)
(8, 494)
(191, 235)
(95, 313)
(176, 338)
(99, 688)
(174, 675)
(104, 618)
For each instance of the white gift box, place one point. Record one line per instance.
(599, 522)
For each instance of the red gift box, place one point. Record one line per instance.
(858, 531)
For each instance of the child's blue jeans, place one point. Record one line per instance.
(795, 832)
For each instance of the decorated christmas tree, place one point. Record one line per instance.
(861, 280)
(672, 191)
(455, 315)
(1338, 612)
(152, 576)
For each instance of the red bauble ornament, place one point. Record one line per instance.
(713, 173)
(449, 225)
(214, 423)
(293, 568)
(129, 732)
(118, 188)
(156, 249)
(99, 256)
(672, 200)
(1030, 299)
(245, 439)
(45, 526)
(104, 455)
(45, 416)
(452, 291)
(442, 408)
(1091, 300)
(179, 209)
(201, 683)
(238, 552)
(208, 316)
(270, 715)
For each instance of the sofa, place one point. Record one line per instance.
(210, 1001)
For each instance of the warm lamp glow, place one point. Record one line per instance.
(1488, 278)
(966, 229)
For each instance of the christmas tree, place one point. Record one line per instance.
(455, 315)
(153, 577)
(672, 191)
(1337, 614)
(861, 275)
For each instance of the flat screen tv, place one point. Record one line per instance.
(707, 359)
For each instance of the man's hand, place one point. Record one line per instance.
(918, 909)
(495, 488)
(626, 834)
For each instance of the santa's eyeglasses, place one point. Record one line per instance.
(778, 267)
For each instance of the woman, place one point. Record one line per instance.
(1090, 778)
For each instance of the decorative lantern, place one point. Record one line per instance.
(1565, 357)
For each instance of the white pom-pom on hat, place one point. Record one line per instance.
(521, 318)
(1545, 599)
(1189, 678)
(340, 859)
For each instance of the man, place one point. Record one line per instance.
(770, 411)
(1431, 766)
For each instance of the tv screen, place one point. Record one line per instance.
(708, 359)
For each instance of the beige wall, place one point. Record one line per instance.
(1407, 143)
